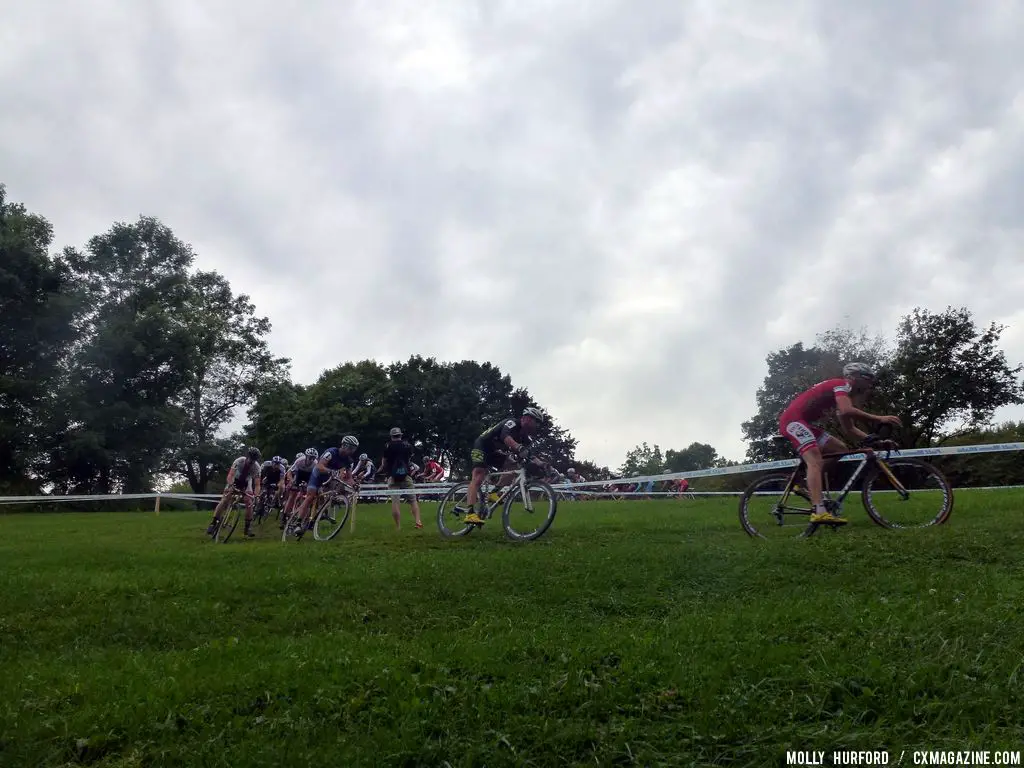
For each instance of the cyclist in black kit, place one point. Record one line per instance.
(492, 451)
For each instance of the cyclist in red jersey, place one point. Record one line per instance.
(796, 423)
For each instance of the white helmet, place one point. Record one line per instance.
(300, 455)
(858, 371)
(571, 471)
(349, 440)
(363, 457)
(277, 460)
(534, 413)
(311, 453)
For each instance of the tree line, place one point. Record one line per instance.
(121, 363)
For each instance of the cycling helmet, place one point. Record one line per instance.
(350, 441)
(254, 453)
(363, 457)
(396, 432)
(311, 453)
(667, 472)
(277, 460)
(858, 371)
(299, 456)
(533, 413)
(571, 471)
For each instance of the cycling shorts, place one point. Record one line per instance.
(484, 456)
(318, 480)
(804, 436)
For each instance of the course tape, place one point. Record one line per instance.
(434, 489)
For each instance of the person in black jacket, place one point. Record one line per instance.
(396, 464)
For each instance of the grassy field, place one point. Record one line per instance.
(645, 633)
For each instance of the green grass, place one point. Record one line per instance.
(635, 633)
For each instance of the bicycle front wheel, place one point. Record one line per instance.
(765, 514)
(229, 522)
(452, 510)
(528, 518)
(331, 518)
(911, 494)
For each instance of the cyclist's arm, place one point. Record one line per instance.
(847, 411)
(851, 428)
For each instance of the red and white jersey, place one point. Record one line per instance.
(811, 405)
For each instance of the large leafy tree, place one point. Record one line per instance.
(38, 305)
(695, 456)
(119, 413)
(440, 407)
(947, 376)
(643, 460)
(229, 365)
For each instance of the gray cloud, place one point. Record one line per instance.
(624, 206)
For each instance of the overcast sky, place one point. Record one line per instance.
(625, 205)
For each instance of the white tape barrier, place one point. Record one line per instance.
(434, 489)
(955, 450)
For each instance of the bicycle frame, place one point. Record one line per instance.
(870, 457)
(519, 482)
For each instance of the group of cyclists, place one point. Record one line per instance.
(295, 487)
(506, 444)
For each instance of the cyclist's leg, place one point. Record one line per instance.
(506, 463)
(219, 509)
(249, 504)
(804, 438)
(478, 460)
(481, 468)
(316, 482)
(829, 444)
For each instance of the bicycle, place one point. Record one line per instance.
(268, 500)
(530, 492)
(229, 520)
(880, 483)
(334, 505)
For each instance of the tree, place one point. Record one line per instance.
(441, 408)
(130, 363)
(643, 460)
(229, 365)
(38, 304)
(693, 457)
(947, 376)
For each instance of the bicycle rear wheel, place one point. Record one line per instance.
(765, 515)
(526, 519)
(921, 497)
(230, 521)
(452, 511)
(331, 518)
